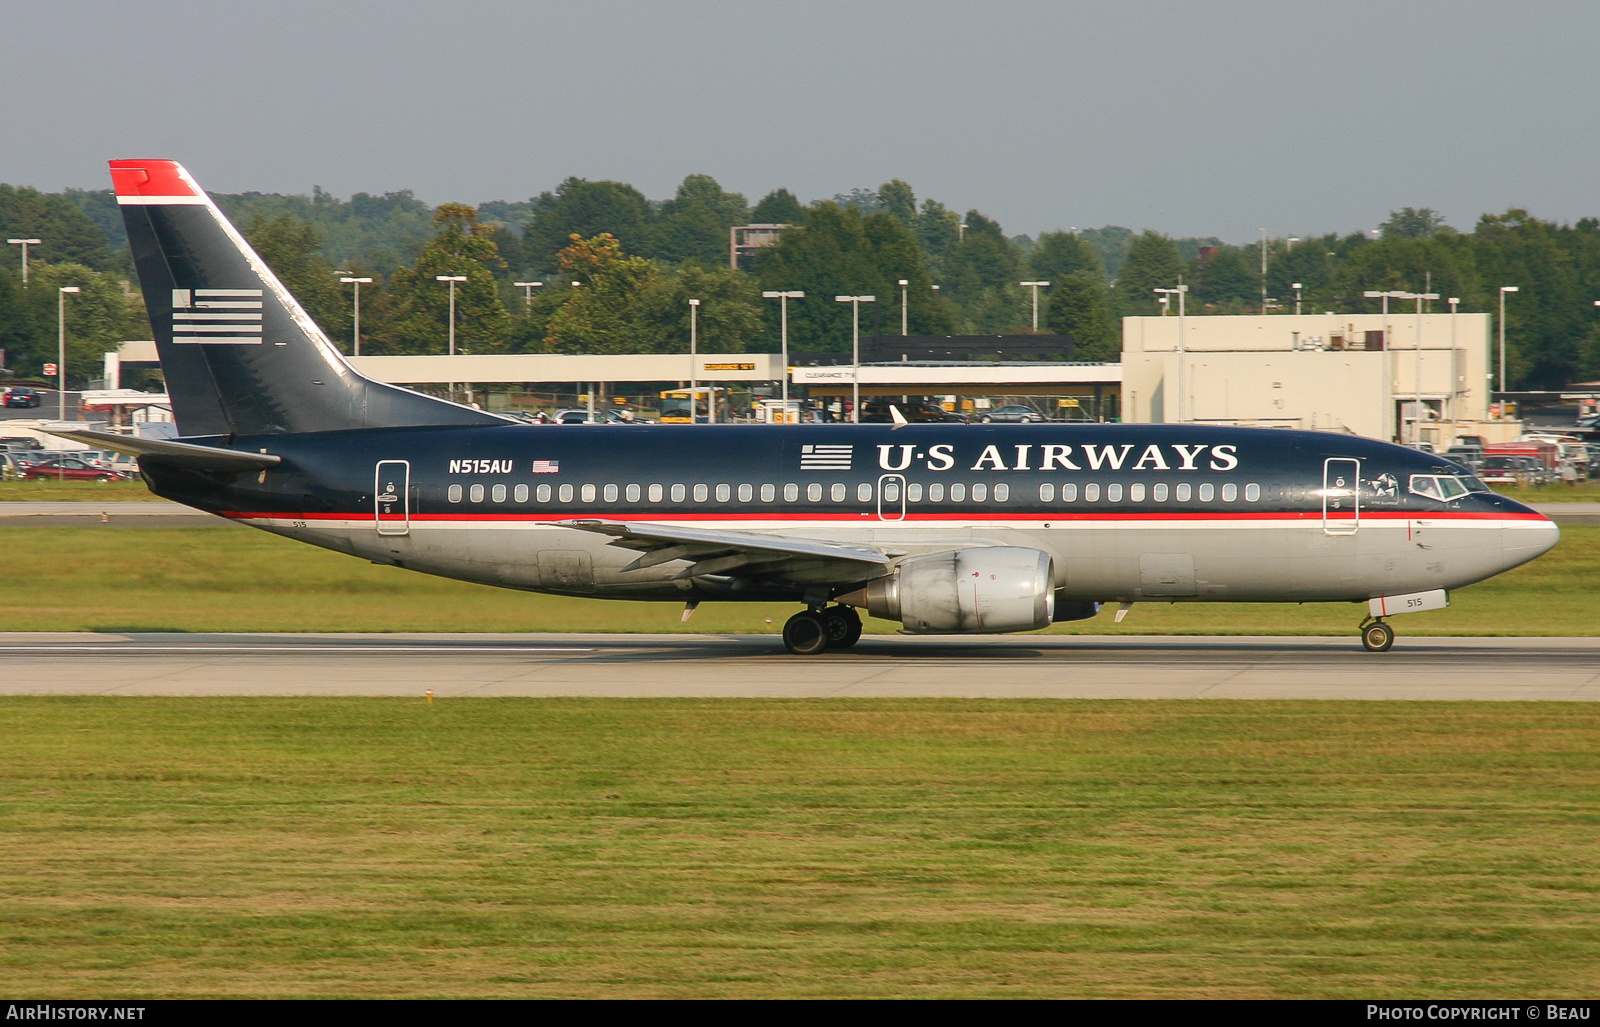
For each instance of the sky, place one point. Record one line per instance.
(1218, 118)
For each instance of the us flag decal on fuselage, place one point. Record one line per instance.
(826, 458)
(547, 467)
(229, 316)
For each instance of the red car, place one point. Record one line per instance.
(71, 469)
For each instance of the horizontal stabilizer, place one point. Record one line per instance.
(188, 454)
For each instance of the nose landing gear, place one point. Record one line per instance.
(1376, 636)
(812, 631)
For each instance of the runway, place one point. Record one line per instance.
(731, 666)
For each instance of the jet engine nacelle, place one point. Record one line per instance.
(965, 591)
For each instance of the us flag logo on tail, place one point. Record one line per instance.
(230, 316)
(826, 458)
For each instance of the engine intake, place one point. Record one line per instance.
(965, 591)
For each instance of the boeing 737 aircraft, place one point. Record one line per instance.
(945, 528)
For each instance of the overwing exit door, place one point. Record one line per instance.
(391, 497)
(1341, 496)
(891, 497)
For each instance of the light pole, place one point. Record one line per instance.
(1036, 286)
(1416, 370)
(1454, 302)
(1263, 232)
(452, 279)
(1296, 288)
(1388, 379)
(24, 243)
(855, 351)
(1502, 379)
(783, 299)
(356, 331)
(61, 356)
(1183, 387)
(694, 362)
(527, 292)
(904, 308)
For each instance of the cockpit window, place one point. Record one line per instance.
(1445, 487)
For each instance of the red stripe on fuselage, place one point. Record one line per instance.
(858, 516)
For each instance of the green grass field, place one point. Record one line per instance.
(229, 578)
(763, 848)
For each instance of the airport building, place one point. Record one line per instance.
(1366, 374)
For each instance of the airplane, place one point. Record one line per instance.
(945, 528)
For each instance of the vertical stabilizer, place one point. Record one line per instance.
(239, 354)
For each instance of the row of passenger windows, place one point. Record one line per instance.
(838, 492)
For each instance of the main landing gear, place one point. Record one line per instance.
(1376, 635)
(813, 631)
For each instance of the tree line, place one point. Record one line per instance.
(618, 270)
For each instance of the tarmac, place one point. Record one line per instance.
(737, 666)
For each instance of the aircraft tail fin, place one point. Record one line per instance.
(239, 354)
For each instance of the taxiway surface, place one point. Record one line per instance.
(1051, 666)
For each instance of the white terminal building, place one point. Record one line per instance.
(1367, 374)
(1398, 376)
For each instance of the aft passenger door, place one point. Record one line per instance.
(1341, 496)
(391, 497)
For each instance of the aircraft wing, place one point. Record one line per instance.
(210, 458)
(726, 552)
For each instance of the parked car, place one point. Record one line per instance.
(23, 396)
(1470, 457)
(1012, 413)
(915, 412)
(575, 417)
(71, 468)
(19, 443)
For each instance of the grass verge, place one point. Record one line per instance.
(228, 578)
(764, 848)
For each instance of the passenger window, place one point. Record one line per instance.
(542, 493)
(814, 493)
(1002, 493)
(724, 493)
(566, 493)
(746, 493)
(1230, 492)
(679, 493)
(1091, 493)
(891, 492)
(1208, 492)
(654, 493)
(1181, 492)
(455, 493)
(702, 493)
(520, 493)
(1136, 492)
(611, 493)
(1158, 492)
(980, 492)
(864, 493)
(913, 493)
(1047, 493)
(498, 494)
(958, 492)
(1252, 493)
(769, 493)
(838, 492)
(791, 493)
(1113, 493)
(1069, 493)
(936, 493)
(588, 493)
(476, 494)
(633, 493)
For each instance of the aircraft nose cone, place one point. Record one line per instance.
(1527, 537)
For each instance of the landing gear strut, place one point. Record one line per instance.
(810, 632)
(1376, 635)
